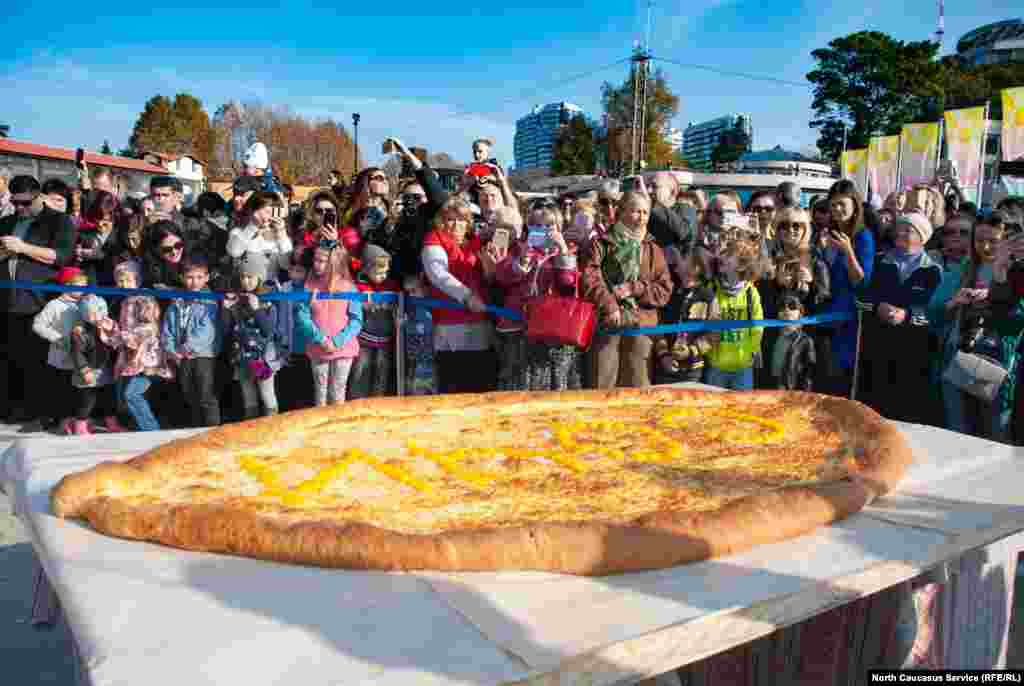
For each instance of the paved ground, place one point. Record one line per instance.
(32, 657)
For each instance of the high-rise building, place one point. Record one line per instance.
(699, 140)
(536, 133)
(996, 43)
(675, 139)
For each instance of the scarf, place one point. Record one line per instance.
(622, 262)
(734, 288)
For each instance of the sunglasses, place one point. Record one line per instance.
(322, 210)
(963, 233)
(763, 208)
(171, 249)
(544, 205)
(22, 203)
(325, 244)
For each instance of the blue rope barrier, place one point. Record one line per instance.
(730, 325)
(391, 298)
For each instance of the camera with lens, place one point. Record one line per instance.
(410, 204)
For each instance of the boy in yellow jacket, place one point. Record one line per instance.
(730, 363)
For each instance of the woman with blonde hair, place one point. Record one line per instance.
(798, 270)
(458, 269)
(625, 275)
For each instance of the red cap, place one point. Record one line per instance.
(69, 274)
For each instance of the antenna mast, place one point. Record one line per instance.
(940, 30)
(640, 60)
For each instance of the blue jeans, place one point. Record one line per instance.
(132, 389)
(741, 380)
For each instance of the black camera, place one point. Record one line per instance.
(410, 203)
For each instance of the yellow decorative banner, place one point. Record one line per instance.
(1013, 124)
(919, 150)
(854, 165)
(884, 165)
(965, 131)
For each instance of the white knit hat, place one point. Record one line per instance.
(918, 222)
(256, 156)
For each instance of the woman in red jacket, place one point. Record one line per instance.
(455, 268)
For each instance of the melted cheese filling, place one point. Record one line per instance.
(597, 464)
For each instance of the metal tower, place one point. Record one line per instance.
(641, 60)
(940, 30)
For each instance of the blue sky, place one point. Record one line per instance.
(434, 74)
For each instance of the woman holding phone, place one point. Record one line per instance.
(264, 233)
(321, 220)
(541, 264)
(850, 253)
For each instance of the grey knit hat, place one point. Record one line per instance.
(372, 253)
(254, 264)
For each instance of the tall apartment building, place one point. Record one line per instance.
(536, 132)
(699, 140)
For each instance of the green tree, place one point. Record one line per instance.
(732, 144)
(177, 127)
(662, 106)
(574, 151)
(105, 150)
(679, 161)
(967, 86)
(873, 84)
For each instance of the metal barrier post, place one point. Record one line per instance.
(400, 344)
(856, 354)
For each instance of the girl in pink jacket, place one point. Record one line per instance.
(140, 359)
(329, 328)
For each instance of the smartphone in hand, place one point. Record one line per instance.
(500, 239)
(79, 157)
(388, 147)
(537, 237)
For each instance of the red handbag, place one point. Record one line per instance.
(559, 319)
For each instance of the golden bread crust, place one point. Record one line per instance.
(657, 540)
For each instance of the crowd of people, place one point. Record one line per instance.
(931, 292)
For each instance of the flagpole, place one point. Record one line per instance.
(899, 163)
(984, 146)
(842, 155)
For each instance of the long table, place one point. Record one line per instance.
(146, 613)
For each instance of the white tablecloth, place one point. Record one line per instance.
(146, 614)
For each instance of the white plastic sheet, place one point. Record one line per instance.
(147, 614)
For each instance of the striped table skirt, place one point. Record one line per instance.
(955, 617)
